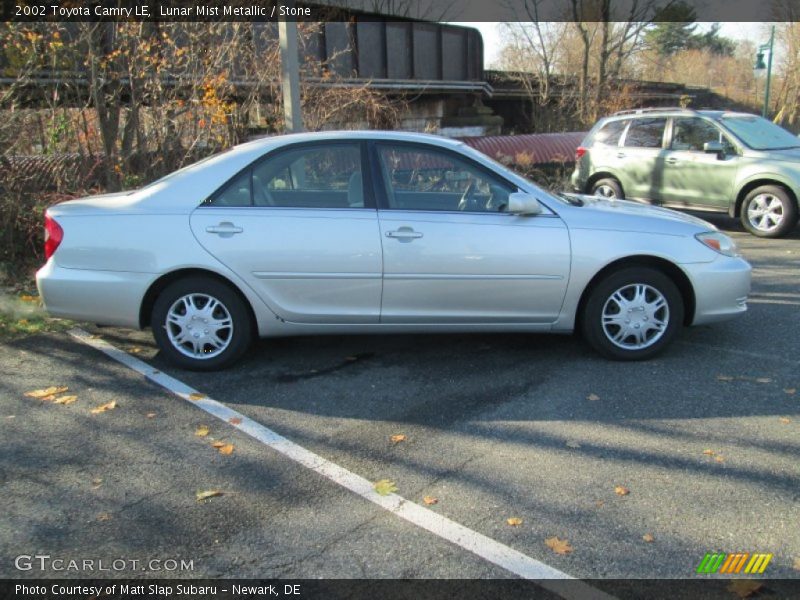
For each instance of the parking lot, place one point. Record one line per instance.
(538, 429)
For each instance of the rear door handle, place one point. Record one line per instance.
(672, 161)
(224, 229)
(620, 155)
(404, 234)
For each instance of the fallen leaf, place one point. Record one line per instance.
(29, 298)
(65, 400)
(202, 431)
(599, 504)
(397, 438)
(208, 494)
(648, 537)
(196, 396)
(385, 487)
(719, 458)
(764, 379)
(226, 449)
(23, 322)
(790, 391)
(97, 482)
(558, 546)
(430, 500)
(104, 517)
(151, 415)
(218, 444)
(621, 490)
(796, 564)
(104, 407)
(744, 588)
(709, 452)
(785, 420)
(47, 392)
(11, 417)
(234, 420)
(571, 444)
(95, 336)
(724, 378)
(593, 397)
(514, 521)
(134, 350)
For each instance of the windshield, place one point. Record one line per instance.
(760, 134)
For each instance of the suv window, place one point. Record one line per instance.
(420, 178)
(690, 133)
(609, 134)
(645, 133)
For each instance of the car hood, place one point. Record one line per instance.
(627, 215)
(789, 155)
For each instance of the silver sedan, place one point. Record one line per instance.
(377, 232)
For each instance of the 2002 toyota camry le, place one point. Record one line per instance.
(356, 232)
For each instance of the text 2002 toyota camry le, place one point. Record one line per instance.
(356, 232)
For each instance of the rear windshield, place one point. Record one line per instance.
(760, 134)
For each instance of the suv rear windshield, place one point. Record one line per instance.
(760, 134)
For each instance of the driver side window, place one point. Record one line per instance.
(419, 178)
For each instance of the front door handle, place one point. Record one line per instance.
(224, 229)
(404, 234)
(672, 161)
(620, 155)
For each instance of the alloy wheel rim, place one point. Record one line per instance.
(199, 326)
(605, 191)
(765, 212)
(635, 316)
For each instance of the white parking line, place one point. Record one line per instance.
(491, 550)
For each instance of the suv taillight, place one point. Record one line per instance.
(579, 152)
(53, 234)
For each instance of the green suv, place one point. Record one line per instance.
(710, 160)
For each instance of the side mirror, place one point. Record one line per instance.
(523, 204)
(714, 148)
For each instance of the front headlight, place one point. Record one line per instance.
(719, 242)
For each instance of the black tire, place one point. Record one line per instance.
(598, 334)
(236, 339)
(610, 187)
(765, 226)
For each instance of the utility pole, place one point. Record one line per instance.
(290, 74)
(760, 67)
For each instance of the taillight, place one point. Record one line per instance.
(53, 234)
(579, 153)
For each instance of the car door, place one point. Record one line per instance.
(693, 177)
(640, 158)
(451, 253)
(301, 228)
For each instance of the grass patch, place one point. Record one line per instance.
(21, 315)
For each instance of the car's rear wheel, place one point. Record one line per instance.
(633, 314)
(769, 212)
(201, 324)
(607, 187)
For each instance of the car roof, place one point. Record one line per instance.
(674, 111)
(346, 134)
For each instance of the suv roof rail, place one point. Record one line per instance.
(639, 111)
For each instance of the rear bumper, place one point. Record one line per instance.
(721, 288)
(103, 297)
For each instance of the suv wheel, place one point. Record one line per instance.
(633, 314)
(768, 212)
(607, 188)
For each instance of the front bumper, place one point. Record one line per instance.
(102, 297)
(721, 288)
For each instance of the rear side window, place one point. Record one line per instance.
(609, 134)
(645, 133)
(236, 193)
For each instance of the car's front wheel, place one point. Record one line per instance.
(632, 314)
(769, 212)
(201, 324)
